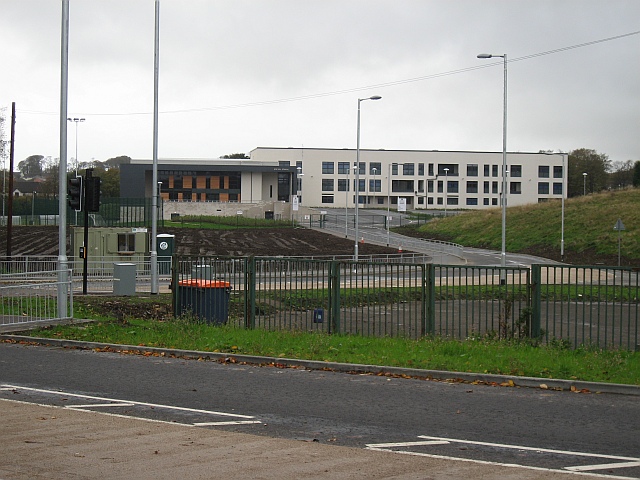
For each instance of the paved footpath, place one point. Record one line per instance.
(44, 442)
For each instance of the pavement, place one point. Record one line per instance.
(42, 441)
(45, 442)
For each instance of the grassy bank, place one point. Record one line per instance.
(481, 355)
(589, 225)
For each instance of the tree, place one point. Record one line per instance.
(31, 166)
(621, 175)
(50, 185)
(594, 164)
(240, 156)
(636, 174)
(110, 182)
(115, 162)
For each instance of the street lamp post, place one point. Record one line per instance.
(389, 201)
(584, 183)
(446, 190)
(355, 249)
(374, 182)
(33, 201)
(346, 203)
(503, 253)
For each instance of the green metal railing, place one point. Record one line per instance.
(594, 306)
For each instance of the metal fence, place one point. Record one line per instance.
(592, 306)
(33, 297)
(100, 270)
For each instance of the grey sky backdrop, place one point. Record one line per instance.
(238, 74)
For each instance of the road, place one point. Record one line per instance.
(373, 227)
(533, 427)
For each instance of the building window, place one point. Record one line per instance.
(408, 169)
(343, 168)
(557, 188)
(363, 168)
(472, 187)
(543, 188)
(375, 168)
(327, 198)
(439, 200)
(515, 188)
(452, 186)
(361, 185)
(494, 187)
(452, 200)
(375, 185)
(327, 184)
(485, 201)
(420, 200)
(126, 242)
(430, 170)
(494, 170)
(421, 169)
(440, 186)
(453, 170)
(472, 170)
(430, 186)
(516, 171)
(486, 170)
(343, 185)
(327, 168)
(472, 201)
(494, 201)
(394, 169)
(543, 171)
(486, 187)
(557, 172)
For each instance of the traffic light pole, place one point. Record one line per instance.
(85, 260)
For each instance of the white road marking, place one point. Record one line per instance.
(604, 466)
(90, 405)
(118, 402)
(239, 422)
(578, 470)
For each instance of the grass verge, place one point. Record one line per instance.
(478, 355)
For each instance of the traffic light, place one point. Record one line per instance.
(93, 194)
(75, 193)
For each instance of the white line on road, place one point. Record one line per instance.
(145, 404)
(579, 470)
(239, 422)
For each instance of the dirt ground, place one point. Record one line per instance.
(240, 242)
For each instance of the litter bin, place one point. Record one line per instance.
(124, 279)
(205, 299)
(164, 246)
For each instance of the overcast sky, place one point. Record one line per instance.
(239, 74)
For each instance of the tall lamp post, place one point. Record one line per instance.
(76, 121)
(446, 190)
(355, 249)
(389, 201)
(584, 184)
(503, 253)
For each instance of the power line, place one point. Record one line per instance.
(358, 89)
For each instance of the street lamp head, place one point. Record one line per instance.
(485, 55)
(585, 174)
(373, 97)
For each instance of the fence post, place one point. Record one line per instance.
(535, 298)
(174, 284)
(429, 298)
(250, 295)
(334, 297)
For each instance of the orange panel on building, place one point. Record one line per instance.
(170, 181)
(187, 181)
(201, 182)
(224, 197)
